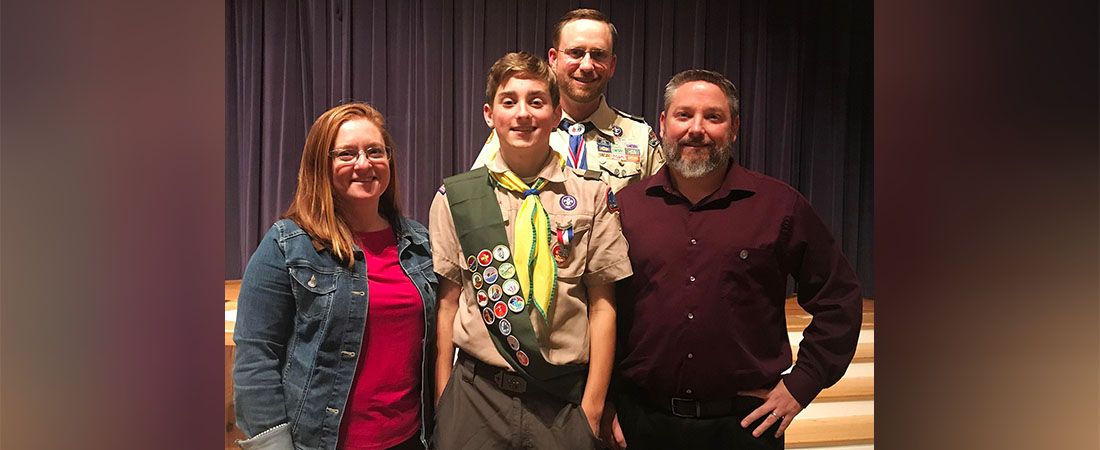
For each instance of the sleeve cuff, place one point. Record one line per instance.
(803, 388)
(275, 438)
(447, 268)
(609, 274)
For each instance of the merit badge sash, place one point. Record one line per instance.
(505, 311)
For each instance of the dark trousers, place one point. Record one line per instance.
(647, 426)
(480, 409)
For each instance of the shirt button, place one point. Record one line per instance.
(744, 254)
(691, 316)
(691, 278)
(688, 391)
(690, 355)
(693, 242)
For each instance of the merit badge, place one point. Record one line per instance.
(616, 130)
(487, 315)
(513, 342)
(511, 287)
(442, 189)
(490, 275)
(495, 292)
(505, 327)
(568, 202)
(507, 270)
(576, 129)
(516, 304)
(612, 205)
(522, 357)
(482, 299)
(472, 262)
(477, 280)
(500, 309)
(604, 142)
(501, 252)
(484, 257)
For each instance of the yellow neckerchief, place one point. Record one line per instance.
(532, 232)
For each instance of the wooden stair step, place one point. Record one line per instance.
(232, 290)
(844, 430)
(849, 388)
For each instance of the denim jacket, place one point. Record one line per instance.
(300, 321)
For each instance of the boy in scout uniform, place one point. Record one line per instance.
(591, 134)
(527, 251)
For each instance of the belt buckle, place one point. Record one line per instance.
(698, 407)
(510, 382)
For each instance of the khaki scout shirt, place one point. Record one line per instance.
(621, 146)
(598, 256)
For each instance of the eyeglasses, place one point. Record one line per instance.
(347, 155)
(598, 55)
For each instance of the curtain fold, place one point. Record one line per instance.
(803, 68)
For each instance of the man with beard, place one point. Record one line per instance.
(592, 135)
(703, 359)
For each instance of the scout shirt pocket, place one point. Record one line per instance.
(571, 257)
(620, 159)
(313, 290)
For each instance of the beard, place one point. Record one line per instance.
(575, 92)
(716, 158)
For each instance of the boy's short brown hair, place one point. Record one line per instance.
(523, 65)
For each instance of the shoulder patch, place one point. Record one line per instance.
(612, 205)
(628, 116)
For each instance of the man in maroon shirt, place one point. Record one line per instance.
(704, 360)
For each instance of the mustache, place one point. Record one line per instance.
(695, 143)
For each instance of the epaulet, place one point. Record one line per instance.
(587, 173)
(628, 116)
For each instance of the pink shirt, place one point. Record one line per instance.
(383, 408)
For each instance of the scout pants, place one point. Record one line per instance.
(485, 407)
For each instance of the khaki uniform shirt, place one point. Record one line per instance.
(621, 146)
(598, 256)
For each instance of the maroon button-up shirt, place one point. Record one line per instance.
(703, 315)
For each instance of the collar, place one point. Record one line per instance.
(603, 117)
(551, 168)
(406, 230)
(737, 179)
